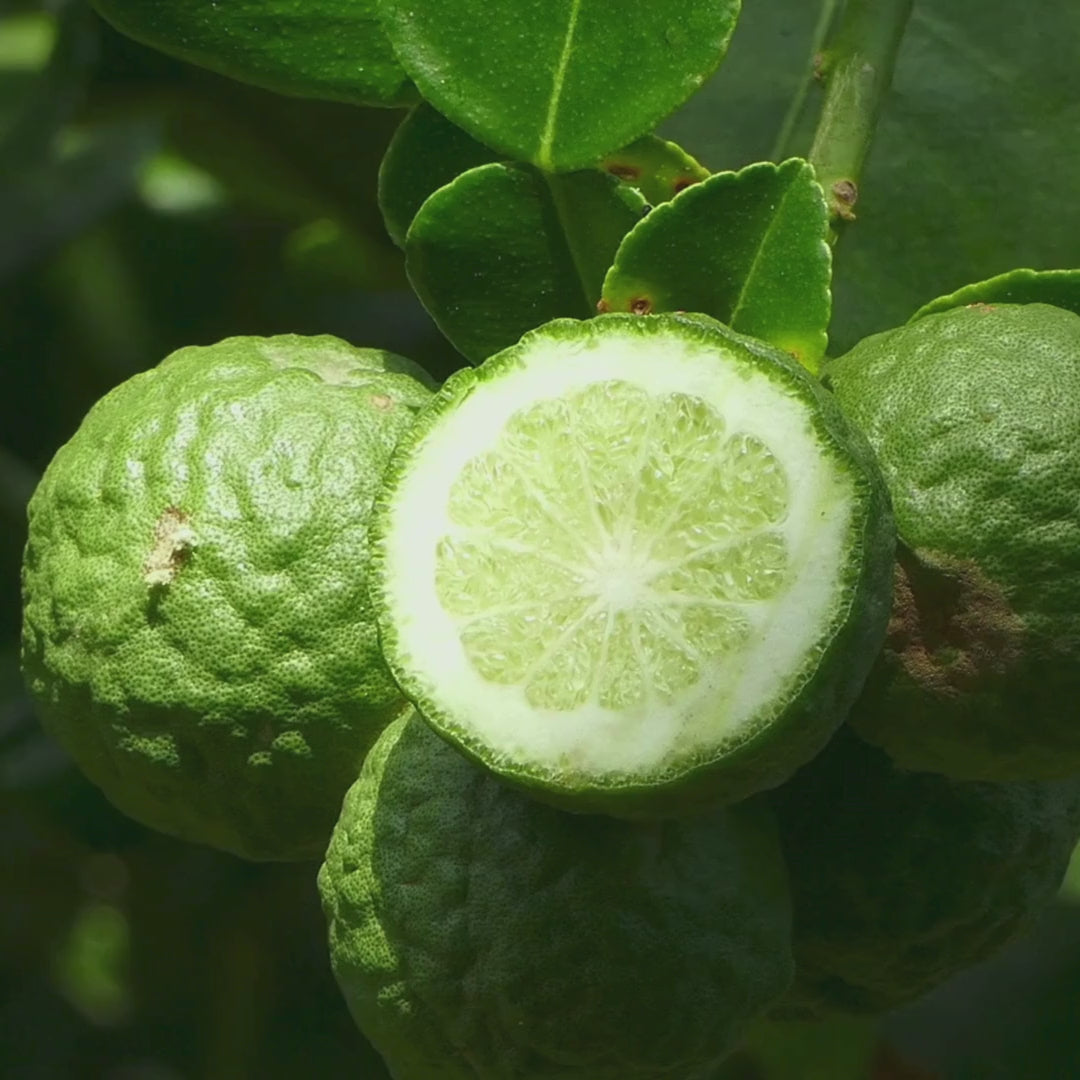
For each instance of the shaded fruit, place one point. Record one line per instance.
(899, 879)
(477, 932)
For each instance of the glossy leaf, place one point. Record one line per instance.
(659, 169)
(503, 249)
(749, 248)
(1058, 287)
(427, 151)
(331, 49)
(558, 83)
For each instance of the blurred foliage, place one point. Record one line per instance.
(145, 205)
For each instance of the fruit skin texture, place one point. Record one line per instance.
(975, 417)
(196, 629)
(772, 748)
(476, 932)
(900, 879)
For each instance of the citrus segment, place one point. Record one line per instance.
(628, 551)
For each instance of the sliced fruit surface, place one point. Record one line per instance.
(638, 564)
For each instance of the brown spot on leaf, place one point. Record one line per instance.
(623, 172)
(845, 196)
(172, 544)
(641, 305)
(683, 183)
(951, 626)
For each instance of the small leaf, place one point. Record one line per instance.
(558, 83)
(1058, 287)
(748, 248)
(503, 249)
(426, 152)
(657, 168)
(330, 49)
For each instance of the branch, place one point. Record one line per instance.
(857, 68)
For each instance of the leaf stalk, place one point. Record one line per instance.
(857, 69)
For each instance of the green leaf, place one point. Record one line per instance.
(331, 49)
(657, 168)
(748, 248)
(558, 83)
(1058, 287)
(426, 152)
(503, 249)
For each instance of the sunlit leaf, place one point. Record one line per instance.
(1058, 287)
(748, 248)
(558, 83)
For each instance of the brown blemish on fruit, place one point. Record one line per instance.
(382, 401)
(951, 626)
(641, 305)
(623, 172)
(980, 306)
(602, 306)
(845, 196)
(173, 541)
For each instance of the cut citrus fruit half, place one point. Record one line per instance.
(636, 564)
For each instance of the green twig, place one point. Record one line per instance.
(857, 68)
(826, 18)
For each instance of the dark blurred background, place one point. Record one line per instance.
(146, 205)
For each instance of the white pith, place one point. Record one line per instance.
(592, 738)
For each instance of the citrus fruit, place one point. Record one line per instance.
(477, 932)
(635, 564)
(975, 417)
(900, 879)
(197, 631)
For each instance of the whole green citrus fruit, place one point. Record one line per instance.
(197, 630)
(476, 932)
(975, 417)
(901, 879)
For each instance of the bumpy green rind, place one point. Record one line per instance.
(197, 631)
(478, 933)
(899, 880)
(975, 417)
(769, 750)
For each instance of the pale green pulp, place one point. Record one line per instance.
(612, 546)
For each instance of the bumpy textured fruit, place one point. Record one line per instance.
(975, 417)
(636, 565)
(901, 879)
(476, 932)
(197, 630)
